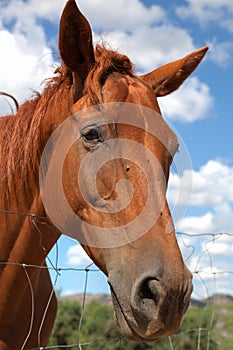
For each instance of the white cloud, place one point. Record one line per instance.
(49, 10)
(197, 224)
(191, 102)
(222, 246)
(151, 46)
(211, 188)
(221, 53)
(26, 58)
(22, 58)
(67, 292)
(210, 222)
(76, 256)
(211, 184)
(206, 11)
(124, 14)
(220, 13)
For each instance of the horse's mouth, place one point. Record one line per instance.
(129, 327)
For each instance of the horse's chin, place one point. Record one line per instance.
(123, 322)
(124, 327)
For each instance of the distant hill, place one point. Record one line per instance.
(219, 299)
(105, 299)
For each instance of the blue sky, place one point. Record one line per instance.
(152, 33)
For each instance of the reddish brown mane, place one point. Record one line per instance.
(21, 137)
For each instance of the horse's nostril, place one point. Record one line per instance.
(145, 297)
(149, 289)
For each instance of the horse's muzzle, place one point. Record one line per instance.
(155, 308)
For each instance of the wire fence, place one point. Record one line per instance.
(208, 257)
(203, 253)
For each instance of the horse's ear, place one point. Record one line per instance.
(169, 77)
(75, 41)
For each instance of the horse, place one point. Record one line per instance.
(149, 281)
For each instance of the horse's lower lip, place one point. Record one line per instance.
(130, 333)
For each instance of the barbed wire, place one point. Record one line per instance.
(198, 272)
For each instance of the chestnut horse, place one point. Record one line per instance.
(149, 282)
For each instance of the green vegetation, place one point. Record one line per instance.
(204, 328)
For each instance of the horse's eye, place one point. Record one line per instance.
(92, 135)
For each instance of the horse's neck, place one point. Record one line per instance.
(26, 233)
(25, 242)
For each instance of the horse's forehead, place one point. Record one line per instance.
(116, 88)
(132, 90)
(122, 88)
